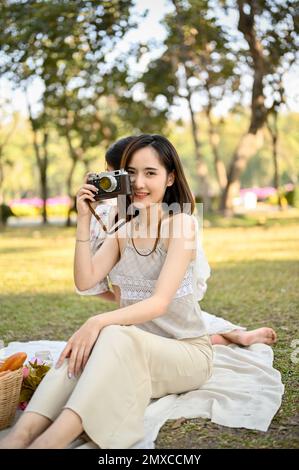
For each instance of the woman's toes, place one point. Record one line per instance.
(269, 335)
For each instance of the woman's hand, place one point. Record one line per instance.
(86, 192)
(79, 346)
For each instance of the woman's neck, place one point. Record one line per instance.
(148, 219)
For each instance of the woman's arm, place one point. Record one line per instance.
(89, 270)
(180, 252)
(97, 236)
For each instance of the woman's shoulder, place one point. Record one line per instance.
(183, 217)
(179, 224)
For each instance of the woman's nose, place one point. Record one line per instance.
(138, 181)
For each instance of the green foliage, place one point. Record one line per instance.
(89, 99)
(21, 177)
(36, 373)
(64, 45)
(292, 197)
(196, 58)
(51, 37)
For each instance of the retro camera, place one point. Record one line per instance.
(110, 183)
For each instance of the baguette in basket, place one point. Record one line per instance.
(13, 362)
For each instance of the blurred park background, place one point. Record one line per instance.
(218, 78)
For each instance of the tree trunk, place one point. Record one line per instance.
(1, 194)
(42, 167)
(276, 170)
(43, 177)
(248, 146)
(3, 144)
(42, 163)
(202, 169)
(69, 192)
(251, 141)
(274, 138)
(74, 154)
(219, 166)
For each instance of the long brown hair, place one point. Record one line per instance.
(179, 192)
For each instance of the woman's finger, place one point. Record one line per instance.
(85, 191)
(84, 198)
(72, 362)
(79, 361)
(63, 355)
(90, 186)
(86, 355)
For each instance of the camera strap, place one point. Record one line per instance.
(96, 216)
(118, 225)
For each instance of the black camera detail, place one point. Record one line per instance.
(110, 183)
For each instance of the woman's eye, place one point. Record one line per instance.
(150, 173)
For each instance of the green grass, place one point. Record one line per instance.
(255, 273)
(264, 216)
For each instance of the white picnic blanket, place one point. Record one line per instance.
(243, 391)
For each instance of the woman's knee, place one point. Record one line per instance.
(114, 335)
(112, 329)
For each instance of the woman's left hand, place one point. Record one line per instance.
(79, 346)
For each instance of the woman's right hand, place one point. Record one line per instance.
(85, 193)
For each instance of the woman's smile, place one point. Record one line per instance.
(140, 195)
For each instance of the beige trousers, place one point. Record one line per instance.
(127, 368)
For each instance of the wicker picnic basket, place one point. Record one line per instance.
(10, 388)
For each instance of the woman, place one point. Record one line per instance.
(155, 343)
(221, 331)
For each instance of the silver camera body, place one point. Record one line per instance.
(110, 184)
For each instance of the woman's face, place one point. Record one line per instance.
(149, 178)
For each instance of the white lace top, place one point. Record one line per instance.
(136, 277)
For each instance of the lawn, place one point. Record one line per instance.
(254, 282)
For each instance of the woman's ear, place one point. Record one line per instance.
(170, 179)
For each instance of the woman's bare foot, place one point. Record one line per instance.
(219, 339)
(246, 338)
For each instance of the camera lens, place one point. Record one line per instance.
(108, 183)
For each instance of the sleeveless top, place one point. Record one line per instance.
(136, 277)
